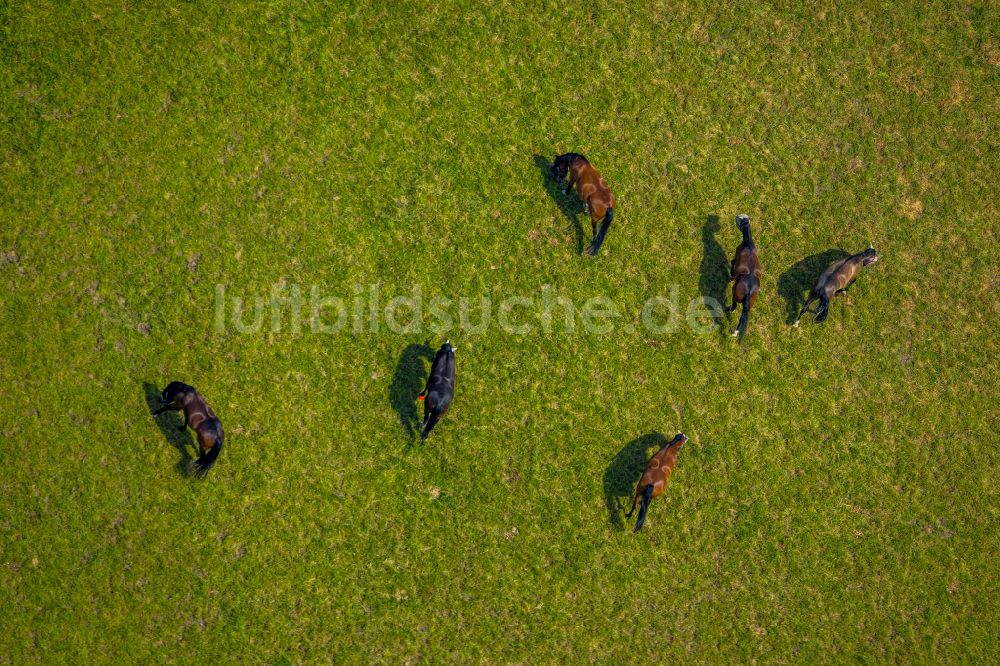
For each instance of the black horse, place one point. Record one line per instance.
(836, 279)
(440, 388)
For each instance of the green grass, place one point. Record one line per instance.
(837, 500)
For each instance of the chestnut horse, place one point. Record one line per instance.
(654, 479)
(836, 279)
(745, 275)
(199, 417)
(591, 188)
(440, 388)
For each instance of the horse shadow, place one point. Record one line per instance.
(173, 429)
(624, 472)
(714, 274)
(797, 281)
(407, 383)
(569, 204)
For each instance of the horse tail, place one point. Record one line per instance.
(647, 496)
(741, 328)
(207, 459)
(602, 232)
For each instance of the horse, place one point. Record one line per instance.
(836, 279)
(591, 188)
(654, 478)
(199, 417)
(439, 390)
(745, 273)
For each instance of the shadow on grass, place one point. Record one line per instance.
(714, 275)
(569, 204)
(624, 473)
(407, 383)
(795, 283)
(172, 427)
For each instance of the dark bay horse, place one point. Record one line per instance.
(745, 275)
(836, 279)
(654, 479)
(440, 388)
(199, 417)
(592, 189)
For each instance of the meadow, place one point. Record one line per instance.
(837, 500)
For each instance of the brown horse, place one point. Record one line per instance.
(199, 417)
(591, 188)
(745, 275)
(654, 479)
(836, 279)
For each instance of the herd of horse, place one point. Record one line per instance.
(439, 389)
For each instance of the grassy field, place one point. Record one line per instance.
(837, 500)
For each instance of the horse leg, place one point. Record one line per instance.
(732, 308)
(163, 408)
(844, 290)
(805, 308)
(569, 187)
(632, 510)
(823, 310)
